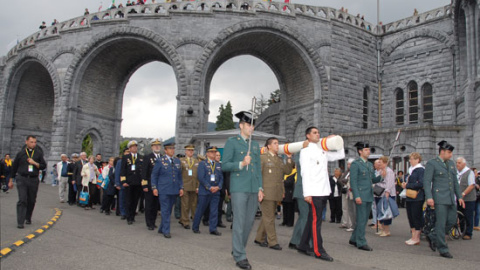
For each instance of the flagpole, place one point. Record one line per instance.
(254, 103)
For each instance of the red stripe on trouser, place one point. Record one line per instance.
(314, 230)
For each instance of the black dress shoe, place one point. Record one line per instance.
(306, 252)
(196, 231)
(186, 227)
(28, 221)
(292, 246)
(332, 221)
(243, 264)
(206, 223)
(262, 244)
(150, 228)
(446, 255)
(432, 245)
(324, 256)
(366, 248)
(129, 222)
(352, 243)
(276, 247)
(221, 225)
(217, 233)
(123, 218)
(229, 219)
(167, 235)
(20, 226)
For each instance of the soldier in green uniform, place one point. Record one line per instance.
(273, 172)
(245, 185)
(441, 176)
(190, 186)
(362, 176)
(302, 206)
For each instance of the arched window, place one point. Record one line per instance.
(427, 96)
(365, 108)
(412, 103)
(399, 107)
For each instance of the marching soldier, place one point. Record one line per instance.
(246, 187)
(362, 176)
(273, 172)
(210, 177)
(131, 178)
(167, 184)
(441, 186)
(190, 185)
(151, 202)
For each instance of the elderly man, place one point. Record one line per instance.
(466, 180)
(441, 176)
(131, 178)
(151, 202)
(62, 172)
(316, 190)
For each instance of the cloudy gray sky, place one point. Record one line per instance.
(20, 19)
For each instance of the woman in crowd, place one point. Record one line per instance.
(388, 184)
(89, 179)
(414, 181)
(109, 191)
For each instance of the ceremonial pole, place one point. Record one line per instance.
(254, 103)
(393, 147)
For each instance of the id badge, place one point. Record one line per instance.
(190, 172)
(30, 168)
(133, 167)
(212, 177)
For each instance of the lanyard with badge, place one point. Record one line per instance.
(133, 162)
(212, 176)
(189, 169)
(30, 166)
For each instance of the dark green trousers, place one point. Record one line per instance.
(301, 222)
(446, 217)
(358, 234)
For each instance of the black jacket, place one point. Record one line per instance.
(77, 172)
(332, 187)
(289, 184)
(127, 174)
(148, 163)
(20, 164)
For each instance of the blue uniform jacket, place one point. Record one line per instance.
(204, 173)
(118, 168)
(167, 176)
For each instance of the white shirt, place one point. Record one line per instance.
(471, 176)
(314, 163)
(335, 193)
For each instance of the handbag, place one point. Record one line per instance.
(403, 194)
(411, 193)
(378, 190)
(384, 210)
(105, 183)
(100, 180)
(84, 196)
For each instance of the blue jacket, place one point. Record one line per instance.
(118, 168)
(166, 176)
(204, 173)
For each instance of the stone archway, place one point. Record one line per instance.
(281, 49)
(32, 95)
(100, 75)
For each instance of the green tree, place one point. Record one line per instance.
(87, 145)
(261, 104)
(123, 145)
(225, 118)
(274, 97)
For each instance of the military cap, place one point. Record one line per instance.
(190, 147)
(131, 143)
(361, 145)
(245, 116)
(212, 149)
(156, 141)
(445, 145)
(170, 144)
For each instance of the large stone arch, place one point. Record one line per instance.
(422, 32)
(96, 135)
(276, 45)
(91, 69)
(32, 99)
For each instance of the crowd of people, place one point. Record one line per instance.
(198, 187)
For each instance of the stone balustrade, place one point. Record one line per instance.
(438, 13)
(206, 6)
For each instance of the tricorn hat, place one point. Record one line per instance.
(245, 116)
(361, 145)
(445, 145)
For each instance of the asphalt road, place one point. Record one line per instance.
(90, 240)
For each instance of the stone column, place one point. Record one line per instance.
(476, 129)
